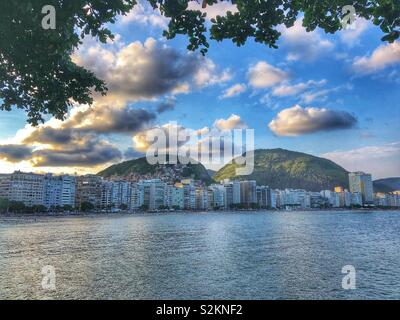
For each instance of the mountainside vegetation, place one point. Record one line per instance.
(387, 185)
(280, 169)
(141, 167)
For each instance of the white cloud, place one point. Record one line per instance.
(322, 95)
(218, 9)
(144, 14)
(263, 75)
(303, 45)
(291, 90)
(208, 74)
(297, 120)
(142, 144)
(381, 161)
(148, 70)
(233, 122)
(351, 35)
(234, 90)
(382, 57)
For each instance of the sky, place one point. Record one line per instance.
(334, 96)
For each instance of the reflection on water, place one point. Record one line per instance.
(297, 255)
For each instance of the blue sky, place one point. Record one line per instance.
(335, 96)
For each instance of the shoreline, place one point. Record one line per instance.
(130, 213)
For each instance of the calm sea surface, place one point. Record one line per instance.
(257, 255)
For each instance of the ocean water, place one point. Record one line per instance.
(252, 255)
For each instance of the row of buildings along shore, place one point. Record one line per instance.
(92, 192)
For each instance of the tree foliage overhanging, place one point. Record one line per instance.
(38, 75)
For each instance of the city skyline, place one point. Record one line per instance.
(48, 192)
(333, 96)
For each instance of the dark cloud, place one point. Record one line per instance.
(166, 106)
(141, 71)
(85, 125)
(70, 147)
(51, 136)
(76, 141)
(89, 152)
(110, 120)
(297, 120)
(131, 154)
(15, 152)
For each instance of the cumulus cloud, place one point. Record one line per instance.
(263, 75)
(106, 119)
(133, 72)
(51, 147)
(351, 35)
(143, 13)
(302, 45)
(207, 74)
(139, 70)
(15, 152)
(297, 120)
(381, 161)
(88, 151)
(234, 91)
(47, 135)
(382, 57)
(76, 141)
(88, 121)
(142, 140)
(233, 122)
(145, 71)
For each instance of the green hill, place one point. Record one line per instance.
(387, 185)
(141, 167)
(280, 169)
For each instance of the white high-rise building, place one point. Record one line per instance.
(264, 196)
(273, 199)
(107, 194)
(137, 196)
(59, 191)
(121, 193)
(218, 196)
(345, 198)
(201, 198)
(89, 189)
(36, 189)
(356, 199)
(23, 187)
(154, 193)
(177, 198)
(248, 192)
(294, 198)
(332, 197)
(232, 193)
(68, 191)
(189, 196)
(362, 183)
(235, 192)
